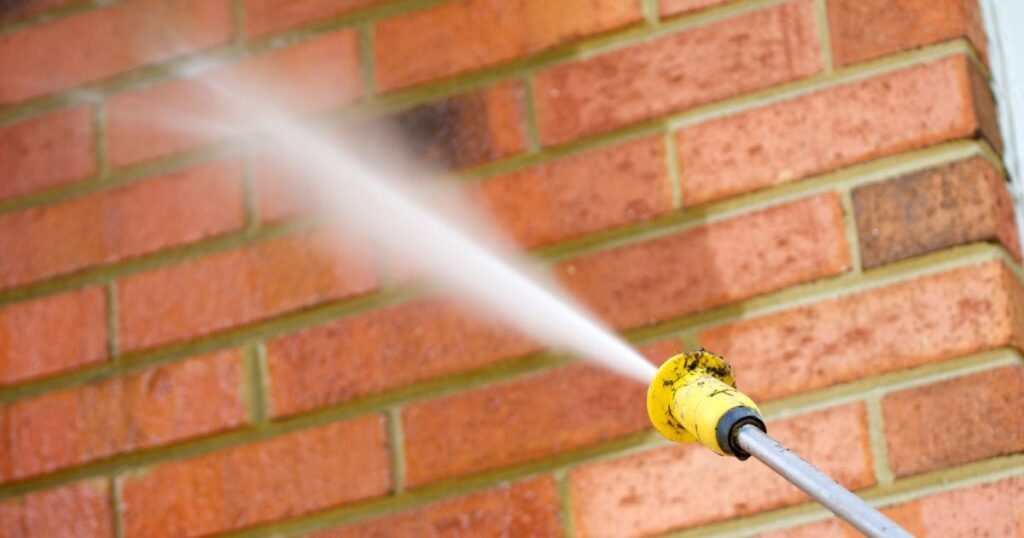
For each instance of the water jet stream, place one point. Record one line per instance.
(376, 201)
(428, 229)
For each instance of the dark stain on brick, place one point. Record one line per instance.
(15, 9)
(931, 210)
(458, 132)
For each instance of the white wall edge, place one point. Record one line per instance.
(1004, 24)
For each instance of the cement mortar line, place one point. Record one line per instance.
(845, 178)
(906, 490)
(650, 11)
(234, 52)
(134, 463)
(690, 324)
(396, 448)
(254, 383)
(824, 33)
(880, 385)
(115, 507)
(677, 221)
(786, 298)
(100, 274)
(829, 288)
(900, 491)
(565, 512)
(851, 233)
(883, 169)
(876, 430)
(230, 148)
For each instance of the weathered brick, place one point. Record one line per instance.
(934, 209)
(957, 421)
(47, 151)
(992, 509)
(867, 29)
(287, 476)
(669, 8)
(833, 128)
(711, 265)
(522, 509)
(80, 510)
(689, 68)
(120, 223)
(182, 114)
(162, 405)
(459, 36)
(12, 11)
(468, 129)
(384, 349)
(99, 43)
(233, 288)
(53, 334)
(264, 17)
(925, 320)
(520, 420)
(660, 490)
(582, 194)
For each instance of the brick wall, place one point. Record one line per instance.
(812, 188)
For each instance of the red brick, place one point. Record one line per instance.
(687, 485)
(99, 43)
(162, 405)
(522, 509)
(934, 209)
(711, 265)
(287, 476)
(382, 350)
(53, 334)
(80, 510)
(957, 421)
(987, 510)
(669, 8)
(264, 17)
(120, 223)
(460, 36)
(921, 321)
(829, 129)
(47, 151)
(518, 421)
(183, 114)
(867, 29)
(582, 194)
(689, 68)
(233, 288)
(468, 129)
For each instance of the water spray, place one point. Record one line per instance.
(693, 398)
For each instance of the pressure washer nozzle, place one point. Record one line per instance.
(693, 398)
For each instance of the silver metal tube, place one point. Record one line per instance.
(823, 489)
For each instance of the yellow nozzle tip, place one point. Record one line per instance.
(689, 396)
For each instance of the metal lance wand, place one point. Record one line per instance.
(693, 398)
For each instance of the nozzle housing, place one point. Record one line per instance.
(693, 398)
